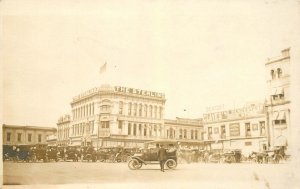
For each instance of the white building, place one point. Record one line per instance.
(278, 98)
(112, 116)
(242, 128)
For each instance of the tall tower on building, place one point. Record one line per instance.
(278, 99)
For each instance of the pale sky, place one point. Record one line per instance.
(199, 53)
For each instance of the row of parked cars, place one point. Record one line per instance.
(46, 153)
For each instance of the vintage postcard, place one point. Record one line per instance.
(150, 94)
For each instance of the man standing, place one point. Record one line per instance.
(162, 157)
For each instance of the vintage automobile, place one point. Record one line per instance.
(105, 154)
(88, 153)
(71, 153)
(9, 153)
(149, 154)
(24, 153)
(39, 152)
(214, 156)
(231, 156)
(52, 153)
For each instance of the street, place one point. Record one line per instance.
(211, 175)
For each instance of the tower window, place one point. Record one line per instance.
(273, 74)
(279, 72)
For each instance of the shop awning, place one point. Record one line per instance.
(281, 115)
(275, 115)
(279, 91)
(273, 92)
(280, 141)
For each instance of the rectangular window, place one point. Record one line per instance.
(129, 109)
(19, 137)
(120, 107)
(39, 138)
(105, 124)
(223, 131)
(216, 130)
(120, 123)
(129, 129)
(234, 129)
(254, 127)
(209, 132)
(8, 135)
(281, 96)
(29, 137)
(248, 143)
(275, 97)
(277, 122)
(247, 129)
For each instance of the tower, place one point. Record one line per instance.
(278, 99)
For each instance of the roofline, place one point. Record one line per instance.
(28, 127)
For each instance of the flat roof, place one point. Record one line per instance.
(29, 127)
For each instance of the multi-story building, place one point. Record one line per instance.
(112, 116)
(63, 130)
(278, 98)
(189, 132)
(239, 128)
(18, 135)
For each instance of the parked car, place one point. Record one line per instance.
(24, 153)
(71, 153)
(88, 153)
(39, 152)
(52, 153)
(149, 154)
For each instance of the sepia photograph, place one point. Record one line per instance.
(150, 94)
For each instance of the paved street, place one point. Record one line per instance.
(116, 174)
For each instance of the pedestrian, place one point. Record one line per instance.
(162, 157)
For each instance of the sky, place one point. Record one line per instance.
(199, 53)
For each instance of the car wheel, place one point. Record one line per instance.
(171, 163)
(134, 164)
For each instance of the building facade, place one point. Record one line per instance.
(278, 99)
(189, 132)
(63, 130)
(113, 116)
(30, 135)
(240, 128)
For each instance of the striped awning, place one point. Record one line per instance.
(275, 115)
(281, 115)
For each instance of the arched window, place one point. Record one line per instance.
(129, 129)
(134, 130)
(121, 107)
(180, 134)
(184, 134)
(272, 74)
(134, 109)
(145, 110)
(129, 108)
(150, 110)
(140, 109)
(279, 72)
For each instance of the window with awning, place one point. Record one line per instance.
(277, 93)
(279, 117)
